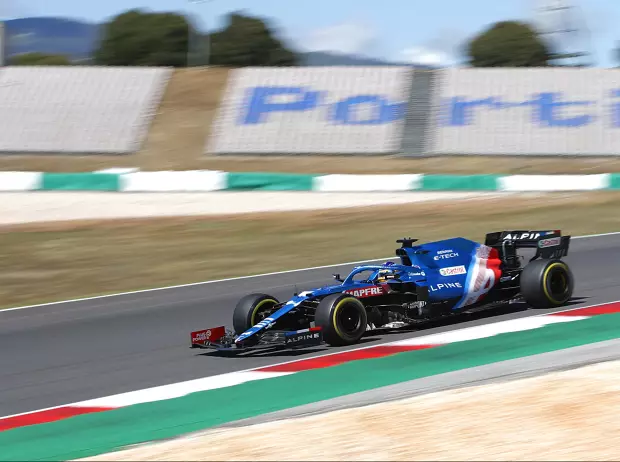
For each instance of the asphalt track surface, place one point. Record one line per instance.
(63, 353)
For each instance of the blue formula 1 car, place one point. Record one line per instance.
(431, 281)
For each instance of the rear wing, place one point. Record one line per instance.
(548, 244)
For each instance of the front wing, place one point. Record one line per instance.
(221, 339)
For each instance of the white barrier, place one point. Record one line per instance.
(168, 181)
(526, 183)
(20, 181)
(352, 183)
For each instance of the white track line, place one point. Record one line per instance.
(238, 278)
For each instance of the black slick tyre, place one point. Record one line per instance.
(343, 319)
(547, 283)
(252, 309)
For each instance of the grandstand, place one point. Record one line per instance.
(80, 118)
(78, 110)
(321, 110)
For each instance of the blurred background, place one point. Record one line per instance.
(322, 33)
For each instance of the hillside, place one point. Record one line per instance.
(75, 39)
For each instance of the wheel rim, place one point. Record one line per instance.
(557, 284)
(258, 317)
(261, 311)
(348, 319)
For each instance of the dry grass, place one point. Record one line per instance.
(562, 416)
(181, 127)
(179, 133)
(46, 262)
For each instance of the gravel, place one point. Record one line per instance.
(33, 207)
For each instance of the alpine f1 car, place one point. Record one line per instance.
(431, 281)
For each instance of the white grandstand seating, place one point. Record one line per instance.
(303, 127)
(78, 109)
(527, 111)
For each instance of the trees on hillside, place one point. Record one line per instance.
(139, 38)
(508, 44)
(249, 41)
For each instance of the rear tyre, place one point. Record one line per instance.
(252, 309)
(343, 319)
(547, 283)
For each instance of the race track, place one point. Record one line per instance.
(63, 353)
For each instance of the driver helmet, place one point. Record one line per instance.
(384, 275)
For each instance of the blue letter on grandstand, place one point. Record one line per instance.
(546, 107)
(259, 102)
(549, 108)
(458, 111)
(383, 111)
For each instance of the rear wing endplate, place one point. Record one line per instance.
(548, 244)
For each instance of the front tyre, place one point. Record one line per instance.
(252, 309)
(343, 319)
(547, 283)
